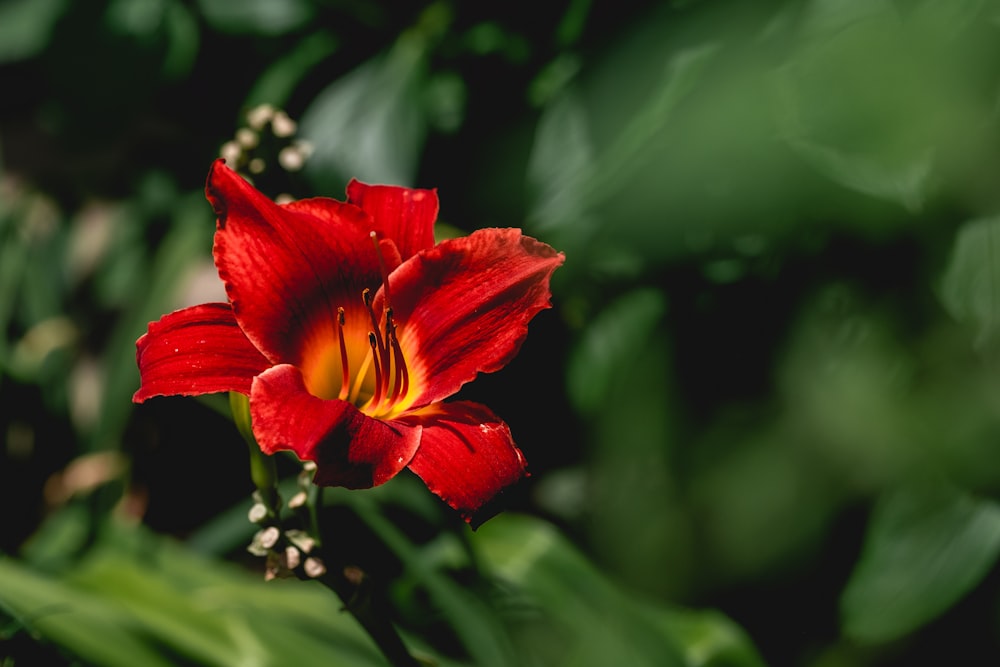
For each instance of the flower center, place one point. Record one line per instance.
(386, 362)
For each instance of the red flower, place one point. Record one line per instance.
(347, 328)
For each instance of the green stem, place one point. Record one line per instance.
(315, 499)
(349, 584)
(263, 469)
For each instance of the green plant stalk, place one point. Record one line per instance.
(351, 587)
(263, 470)
(347, 582)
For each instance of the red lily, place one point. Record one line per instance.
(347, 328)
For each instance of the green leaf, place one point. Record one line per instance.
(13, 266)
(925, 549)
(904, 182)
(277, 83)
(366, 125)
(258, 17)
(141, 599)
(572, 175)
(93, 628)
(970, 288)
(892, 142)
(473, 619)
(371, 123)
(710, 639)
(575, 616)
(25, 27)
(189, 237)
(609, 341)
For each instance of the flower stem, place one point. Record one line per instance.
(352, 588)
(349, 583)
(263, 470)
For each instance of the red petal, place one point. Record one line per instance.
(198, 350)
(288, 268)
(463, 307)
(403, 215)
(349, 448)
(466, 456)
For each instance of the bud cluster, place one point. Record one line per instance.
(287, 551)
(269, 134)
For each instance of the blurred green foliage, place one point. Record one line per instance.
(761, 418)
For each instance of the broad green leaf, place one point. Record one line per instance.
(847, 377)
(905, 183)
(628, 154)
(87, 625)
(823, 18)
(220, 619)
(25, 27)
(571, 174)
(709, 638)
(140, 599)
(892, 142)
(696, 129)
(182, 47)
(13, 264)
(560, 165)
(277, 83)
(473, 620)
(257, 17)
(575, 616)
(370, 124)
(970, 288)
(154, 20)
(610, 341)
(924, 550)
(189, 237)
(622, 378)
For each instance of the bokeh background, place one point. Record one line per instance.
(762, 418)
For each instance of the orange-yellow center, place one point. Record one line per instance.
(366, 366)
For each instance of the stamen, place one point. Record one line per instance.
(377, 397)
(359, 379)
(345, 381)
(391, 377)
(380, 357)
(382, 270)
(401, 384)
(387, 360)
(366, 296)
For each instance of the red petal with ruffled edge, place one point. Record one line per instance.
(349, 448)
(466, 456)
(463, 307)
(403, 215)
(288, 268)
(197, 350)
